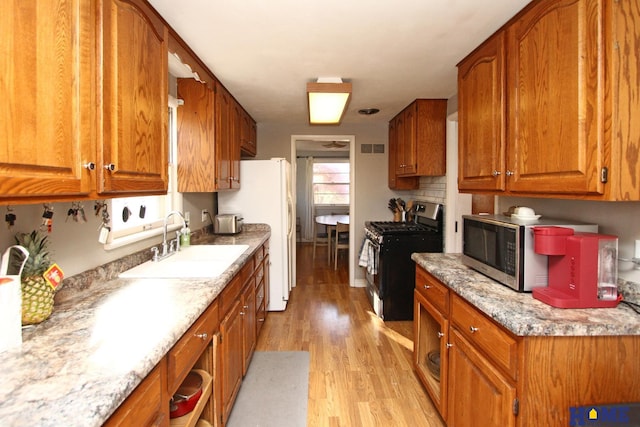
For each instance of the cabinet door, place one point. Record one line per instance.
(479, 395)
(248, 135)
(234, 144)
(407, 146)
(431, 335)
(395, 182)
(556, 124)
(134, 94)
(481, 115)
(196, 152)
(248, 324)
(47, 110)
(231, 357)
(223, 138)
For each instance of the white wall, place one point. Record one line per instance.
(75, 245)
(618, 218)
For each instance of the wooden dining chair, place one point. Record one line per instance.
(341, 242)
(321, 238)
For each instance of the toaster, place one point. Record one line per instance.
(227, 224)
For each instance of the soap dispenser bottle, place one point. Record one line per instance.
(185, 235)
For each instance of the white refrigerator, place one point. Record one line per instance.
(265, 197)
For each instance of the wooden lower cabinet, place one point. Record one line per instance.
(231, 357)
(146, 405)
(479, 395)
(219, 346)
(490, 377)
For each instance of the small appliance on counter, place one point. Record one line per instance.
(228, 224)
(583, 270)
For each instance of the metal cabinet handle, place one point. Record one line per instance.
(473, 329)
(426, 287)
(449, 345)
(203, 336)
(440, 334)
(496, 172)
(110, 167)
(510, 173)
(89, 165)
(245, 307)
(261, 320)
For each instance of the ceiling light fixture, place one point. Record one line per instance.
(328, 99)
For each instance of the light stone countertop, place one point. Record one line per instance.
(519, 312)
(104, 336)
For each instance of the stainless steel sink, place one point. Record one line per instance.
(198, 261)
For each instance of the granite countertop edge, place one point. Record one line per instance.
(520, 313)
(104, 337)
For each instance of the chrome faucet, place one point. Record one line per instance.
(169, 249)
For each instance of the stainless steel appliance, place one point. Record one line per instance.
(391, 272)
(228, 224)
(502, 248)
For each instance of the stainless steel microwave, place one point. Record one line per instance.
(502, 248)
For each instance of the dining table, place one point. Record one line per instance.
(331, 221)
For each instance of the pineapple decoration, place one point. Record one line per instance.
(37, 292)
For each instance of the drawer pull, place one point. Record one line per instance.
(261, 320)
(472, 329)
(245, 307)
(440, 334)
(203, 336)
(449, 345)
(426, 287)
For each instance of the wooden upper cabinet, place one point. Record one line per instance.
(235, 143)
(47, 108)
(568, 108)
(394, 181)
(223, 111)
(481, 117)
(556, 76)
(420, 139)
(196, 137)
(133, 142)
(248, 135)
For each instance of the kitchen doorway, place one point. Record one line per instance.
(326, 147)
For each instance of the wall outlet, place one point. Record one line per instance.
(204, 215)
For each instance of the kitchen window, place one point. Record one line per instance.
(331, 182)
(137, 218)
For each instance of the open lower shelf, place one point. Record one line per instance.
(192, 419)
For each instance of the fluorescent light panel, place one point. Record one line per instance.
(327, 102)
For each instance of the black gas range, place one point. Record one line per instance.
(386, 255)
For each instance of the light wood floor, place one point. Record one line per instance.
(361, 372)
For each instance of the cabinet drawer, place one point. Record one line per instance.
(434, 291)
(186, 352)
(259, 292)
(261, 317)
(485, 334)
(230, 294)
(259, 256)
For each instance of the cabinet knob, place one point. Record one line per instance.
(261, 320)
(449, 345)
(510, 173)
(89, 165)
(203, 336)
(426, 287)
(496, 172)
(110, 167)
(473, 329)
(440, 334)
(245, 307)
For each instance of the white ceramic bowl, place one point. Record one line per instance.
(524, 212)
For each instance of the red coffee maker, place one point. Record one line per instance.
(583, 270)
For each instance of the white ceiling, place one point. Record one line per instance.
(265, 51)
